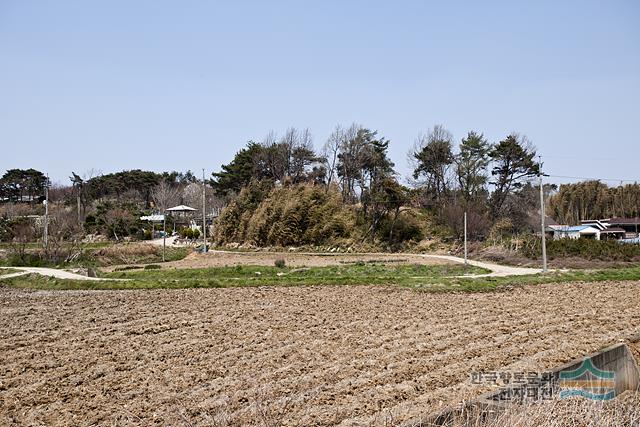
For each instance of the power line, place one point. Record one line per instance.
(580, 158)
(593, 179)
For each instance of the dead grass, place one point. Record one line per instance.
(135, 253)
(576, 412)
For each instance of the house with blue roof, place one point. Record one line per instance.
(577, 232)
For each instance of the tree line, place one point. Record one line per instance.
(491, 181)
(109, 204)
(487, 180)
(594, 200)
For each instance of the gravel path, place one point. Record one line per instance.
(197, 260)
(496, 269)
(50, 272)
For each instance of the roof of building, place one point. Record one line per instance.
(577, 228)
(556, 227)
(181, 208)
(625, 221)
(613, 230)
(152, 218)
(601, 224)
(550, 221)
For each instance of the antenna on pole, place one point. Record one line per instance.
(542, 216)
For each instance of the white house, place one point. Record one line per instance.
(576, 232)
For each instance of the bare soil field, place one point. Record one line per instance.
(350, 356)
(293, 259)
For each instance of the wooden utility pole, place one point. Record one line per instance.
(204, 212)
(79, 214)
(45, 238)
(164, 233)
(465, 239)
(542, 229)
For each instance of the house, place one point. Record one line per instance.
(631, 226)
(577, 232)
(551, 226)
(612, 233)
(599, 229)
(617, 228)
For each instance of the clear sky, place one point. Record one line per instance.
(169, 85)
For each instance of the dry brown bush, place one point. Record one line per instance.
(297, 215)
(127, 253)
(575, 412)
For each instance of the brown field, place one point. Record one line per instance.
(293, 259)
(284, 355)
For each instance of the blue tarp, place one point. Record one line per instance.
(635, 241)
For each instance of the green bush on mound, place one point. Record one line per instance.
(286, 216)
(605, 250)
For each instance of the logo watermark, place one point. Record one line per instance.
(589, 382)
(518, 385)
(586, 381)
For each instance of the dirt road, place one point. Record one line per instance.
(49, 272)
(496, 269)
(224, 258)
(349, 356)
(311, 259)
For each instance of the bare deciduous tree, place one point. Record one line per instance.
(434, 157)
(165, 195)
(331, 150)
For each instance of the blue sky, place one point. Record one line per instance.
(162, 85)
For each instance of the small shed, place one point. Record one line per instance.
(153, 219)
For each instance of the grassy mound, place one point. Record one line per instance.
(307, 215)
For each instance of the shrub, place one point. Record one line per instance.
(187, 233)
(280, 263)
(607, 250)
(286, 216)
(27, 260)
(195, 233)
(152, 267)
(115, 220)
(405, 228)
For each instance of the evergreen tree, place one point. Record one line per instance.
(513, 164)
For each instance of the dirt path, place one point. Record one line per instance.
(314, 259)
(287, 356)
(170, 242)
(49, 272)
(496, 269)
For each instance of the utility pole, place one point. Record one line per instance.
(164, 233)
(542, 229)
(45, 238)
(465, 239)
(204, 212)
(78, 200)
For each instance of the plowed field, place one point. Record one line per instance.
(284, 355)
